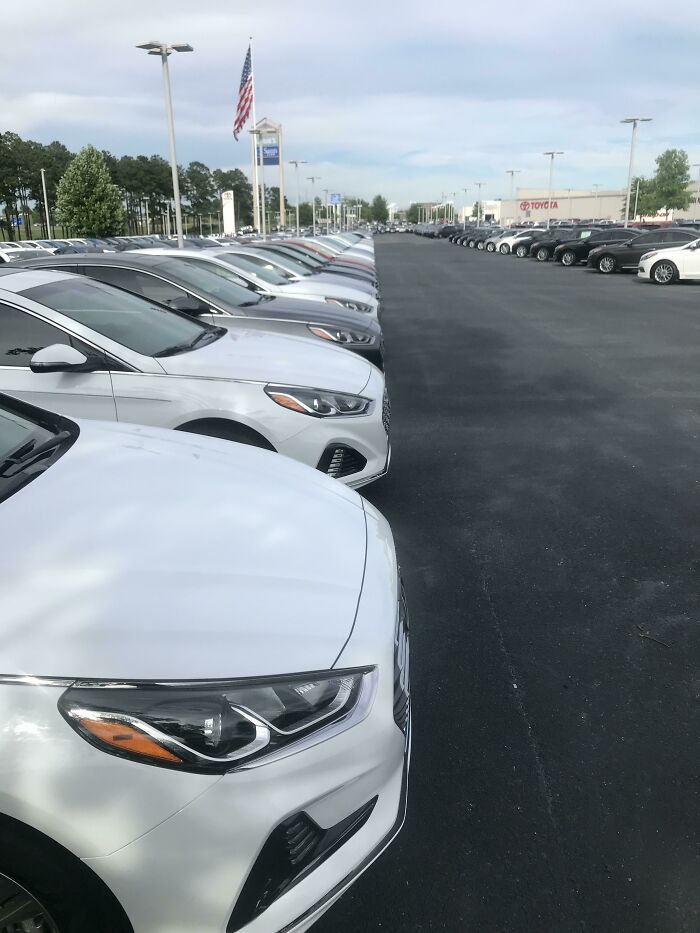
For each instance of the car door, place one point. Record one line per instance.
(76, 394)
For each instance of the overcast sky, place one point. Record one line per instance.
(407, 98)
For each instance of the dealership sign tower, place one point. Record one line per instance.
(268, 151)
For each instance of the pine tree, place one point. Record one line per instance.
(87, 202)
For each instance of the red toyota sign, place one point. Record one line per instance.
(536, 205)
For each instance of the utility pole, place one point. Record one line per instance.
(313, 179)
(479, 185)
(296, 163)
(512, 172)
(46, 205)
(551, 153)
(634, 121)
(697, 191)
(596, 201)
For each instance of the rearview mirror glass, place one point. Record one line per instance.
(190, 305)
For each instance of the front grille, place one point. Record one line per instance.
(386, 411)
(292, 850)
(402, 672)
(339, 461)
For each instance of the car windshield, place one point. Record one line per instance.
(127, 319)
(254, 267)
(302, 255)
(213, 280)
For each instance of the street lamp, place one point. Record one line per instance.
(164, 49)
(551, 154)
(296, 163)
(697, 190)
(596, 201)
(512, 172)
(634, 121)
(479, 185)
(313, 179)
(465, 205)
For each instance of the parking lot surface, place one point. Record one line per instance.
(545, 498)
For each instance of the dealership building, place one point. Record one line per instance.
(567, 204)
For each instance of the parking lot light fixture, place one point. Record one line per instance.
(313, 179)
(551, 153)
(634, 121)
(164, 49)
(697, 191)
(512, 172)
(596, 187)
(296, 163)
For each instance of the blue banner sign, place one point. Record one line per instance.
(270, 154)
(336, 199)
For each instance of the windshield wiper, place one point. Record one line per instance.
(30, 453)
(205, 336)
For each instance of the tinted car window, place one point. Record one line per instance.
(646, 238)
(682, 236)
(22, 334)
(208, 279)
(140, 283)
(124, 318)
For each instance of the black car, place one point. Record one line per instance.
(571, 252)
(462, 235)
(486, 233)
(478, 234)
(543, 247)
(525, 243)
(626, 255)
(213, 297)
(446, 230)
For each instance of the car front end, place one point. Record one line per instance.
(222, 709)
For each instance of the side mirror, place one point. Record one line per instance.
(59, 358)
(189, 305)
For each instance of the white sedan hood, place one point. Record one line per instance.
(258, 356)
(147, 554)
(326, 289)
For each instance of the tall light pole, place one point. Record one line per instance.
(634, 121)
(465, 205)
(551, 154)
(46, 204)
(596, 201)
(479, 185)
(697, 191)
(512, 172)
(313, 179)
(164, 49)
(296, 163)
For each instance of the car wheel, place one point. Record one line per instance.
(490, 247)
(607, 264)
(542, 254)
(471, 244)
(568, 258)
(664, 272)
(227, 431)
(480, 244)
(521, 252)
(503, 249)
(43, 888)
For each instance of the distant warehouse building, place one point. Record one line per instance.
(567, 204)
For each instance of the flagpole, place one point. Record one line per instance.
(254, 141)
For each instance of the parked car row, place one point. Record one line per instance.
(663, 254)
(204, 668)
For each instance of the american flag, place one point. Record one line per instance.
(245, 96)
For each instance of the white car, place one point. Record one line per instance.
(88, 350)
(509, 243)
(204, 688)
(665, 266)
(269, 282)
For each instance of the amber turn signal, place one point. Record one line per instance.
(122, 736)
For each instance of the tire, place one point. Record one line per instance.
(522, 251)
(480, 244)
(504, 249)
(568, 258)
(607, 264)
(490, 247)
(44, 888)
(542, 254)
(227, 431)
(471, 244)
(663, 272)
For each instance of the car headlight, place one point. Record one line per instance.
(317, 402)
(350, 305)
(215, 726)
(346, 337)
(648, 255)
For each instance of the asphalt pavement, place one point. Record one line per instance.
(544, 494)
